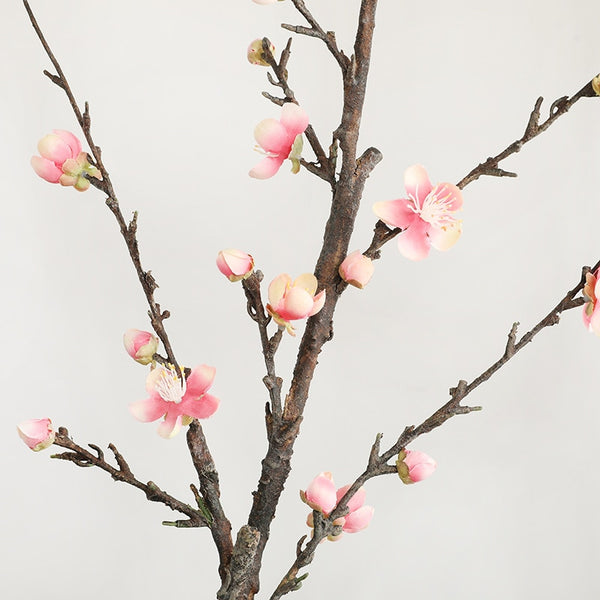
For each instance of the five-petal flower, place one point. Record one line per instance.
(426, 216)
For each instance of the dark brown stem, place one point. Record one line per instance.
(84, 458)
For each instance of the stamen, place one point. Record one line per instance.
(170, 387)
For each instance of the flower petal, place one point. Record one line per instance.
(417, 184)
(414, 242)
(54, 148)
(199, 381)
(294, 119)
(320, 493)
(278, 287)
(358, 520)
(308, 282)
(71, 140)
(200, 408)
(453, 193)
(297, 304)
(46, 169)
(148, 410)
(170, 426)
(594, 322)
(318, 303)
(272, 136)
(397, 213)
(267, 167)
(445, 237)
(356, 501)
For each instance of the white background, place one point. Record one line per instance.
(512, 511)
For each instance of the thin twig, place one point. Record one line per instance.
(84, 458)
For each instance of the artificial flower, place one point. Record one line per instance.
(289, 301)
(235, 264)
(357, 269)
(426, 216)
(177, 399)
(37, 433)
(414, 466)
(140, 345)
(591, 309)
(62, 161)
(280, 140)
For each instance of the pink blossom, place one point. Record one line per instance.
(256, 54)
(178, 399)
(235, 264)
(321, 495)
(37, 433)
(414, 466)
(280, 140)
(357, 269)
(426, 216)
(140, 345)
(62, 161)
(591, 309)
(291, 301)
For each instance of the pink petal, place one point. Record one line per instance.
(454, 195)
(414, 242)
(594, 322)
(54, 148)
(46, 169)
(71, 140)
(267, 167)
(417, 184)
(445, 237)
(358, 520)
(396, 213)
(272, 136)
(278, 287)
(294, 119)
(318, 303)
(148, 410)
(199, 381)
(297, 304)
(170, 426)
(200, 408)
(308, 282)
(356, 501)
(320, 494)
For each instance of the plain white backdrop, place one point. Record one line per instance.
(512, 510)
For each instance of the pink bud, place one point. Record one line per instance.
(37, 433)
(414, 466)
(62, 161)
(140, 345)
(320, 493)
(289, 301)
(235, 264)
(357, 269)
(256, 54)
(591, 309)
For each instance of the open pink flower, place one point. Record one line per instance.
(280, 140)
(235, 264)
(140, 345)
(178, 399)
(62, 161)
(37, 433)
(414, 466)
(426, 216)
(591, 309)
(291, 301)
(357, 269)
(321, 495)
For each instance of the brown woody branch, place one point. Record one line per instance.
(378, 463)
(84, 458)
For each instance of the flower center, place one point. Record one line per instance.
(437, 208)
(169, 386)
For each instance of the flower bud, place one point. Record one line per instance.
(37, 433)
(414, 466)
(140, 345)
(320, 493)
(256, 54)
(235, 264)
(596, 84)
(357, 269)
